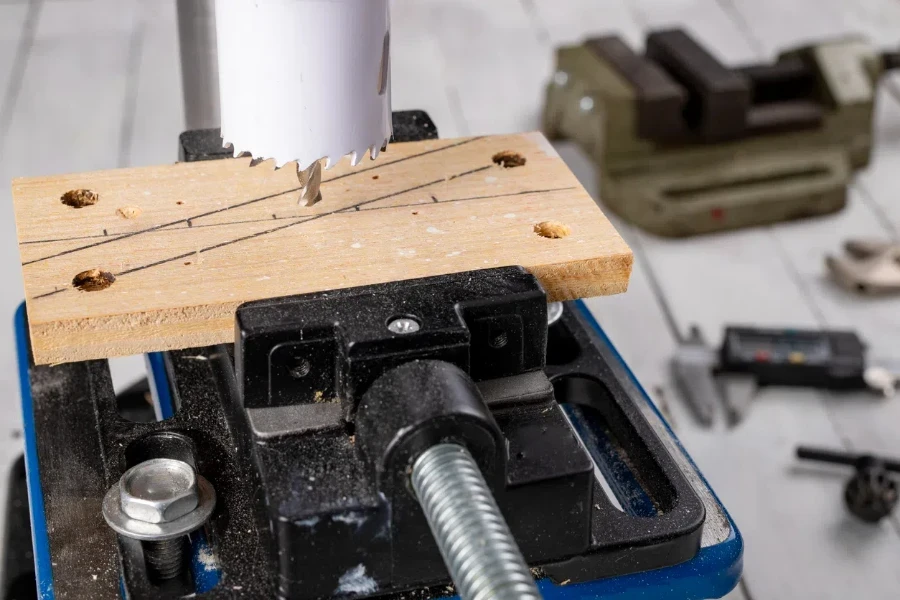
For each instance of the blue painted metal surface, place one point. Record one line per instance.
(159, 386)
(713, 573)
(39, 537)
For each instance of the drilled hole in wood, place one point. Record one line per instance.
(93, 280)
(552, 229)
(129, 212)
(80, 198)
(509, 159)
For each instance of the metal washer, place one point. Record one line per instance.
(157, 532)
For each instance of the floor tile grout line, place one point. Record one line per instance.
(668, 314)
(542, 33)
(20, 64)
(868, 198)
(456, 109)
(737, 17)
(635, 242)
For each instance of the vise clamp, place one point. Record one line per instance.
(686, 145)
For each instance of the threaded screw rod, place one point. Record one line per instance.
(483, 559)
(165, 559)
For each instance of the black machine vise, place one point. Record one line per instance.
(308, 425)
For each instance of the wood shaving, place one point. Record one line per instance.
(129, 212)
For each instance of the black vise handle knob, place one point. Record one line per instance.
(871, 494)
(837, 457)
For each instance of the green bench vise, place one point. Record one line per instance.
(686, 145)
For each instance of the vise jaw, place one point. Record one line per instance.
(686, 145)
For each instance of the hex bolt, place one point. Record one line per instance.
(483, 559)
(159, 502)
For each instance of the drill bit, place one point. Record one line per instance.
(311, 180)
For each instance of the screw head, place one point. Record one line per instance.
(586, 104)
(404, 325)
(160, 490)
(560, 78)
(554, 312)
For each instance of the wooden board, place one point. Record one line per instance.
(212, 235)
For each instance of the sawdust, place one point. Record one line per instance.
(79, 198)
(93, 280)
(129, 212)
(509, 159)
(552, 229)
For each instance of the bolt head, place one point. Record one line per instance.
(586, 104)
(554, 312)
(159, 490)
(560, 78)
(404, 325)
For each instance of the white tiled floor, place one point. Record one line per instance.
(87, 84)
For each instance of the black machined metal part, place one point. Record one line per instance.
(335, 447)
(335, 439)
(18, 556)
(330, 346)
(659, 527)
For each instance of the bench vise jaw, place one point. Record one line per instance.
(685, 145)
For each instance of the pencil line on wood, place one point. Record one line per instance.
(279, 228)
(293, 218)
(239, 205)
(405, 158)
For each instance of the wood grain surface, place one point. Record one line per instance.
(187, 243)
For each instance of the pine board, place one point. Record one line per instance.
(212, 235)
